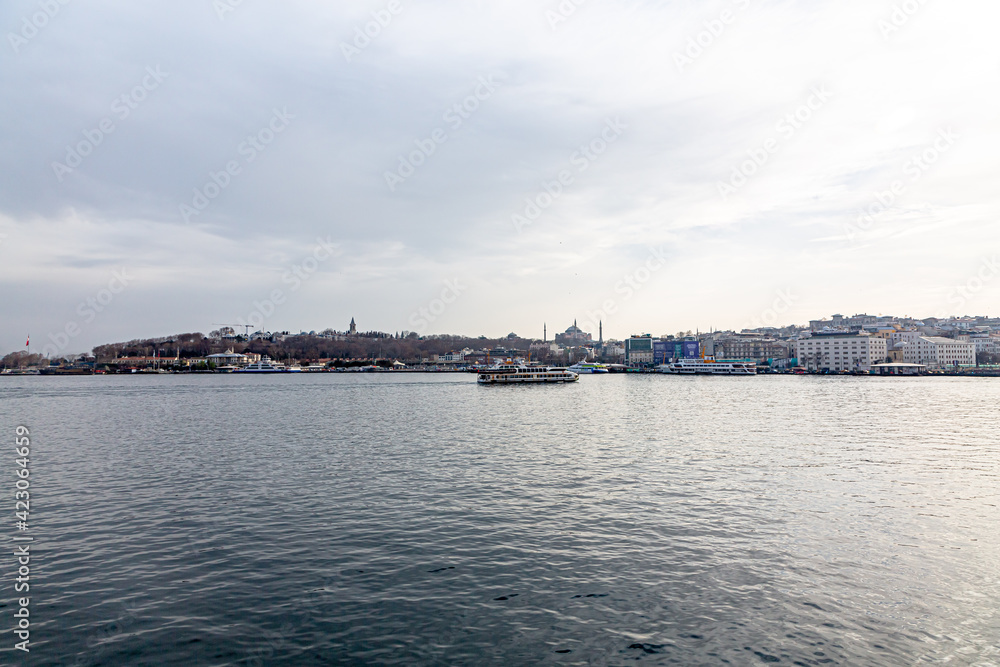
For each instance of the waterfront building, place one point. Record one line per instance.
(897, 353)
(454, 357)
(907, 336)
(669, 348)
(938, 352)
(228, 358)
(639, 350)
(742, 346)
(841, 351)
(985, 344)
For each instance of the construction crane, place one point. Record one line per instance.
(233, 327)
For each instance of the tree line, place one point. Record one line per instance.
(306, 347)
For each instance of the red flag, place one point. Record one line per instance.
(28, 342)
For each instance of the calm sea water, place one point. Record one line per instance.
(424, 520)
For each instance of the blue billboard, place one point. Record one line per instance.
(661, 351)
(665, 350)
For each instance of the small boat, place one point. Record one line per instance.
(708, 366)
(66, 370)
(581, 368)
(265, 365)
(511, 373)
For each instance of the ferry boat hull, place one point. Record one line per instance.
(708, 366)
(588, 369)
(526, 375)
(265, 365)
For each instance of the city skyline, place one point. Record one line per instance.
(478, 168)
(57, 345)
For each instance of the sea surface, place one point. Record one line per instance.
(421, 519)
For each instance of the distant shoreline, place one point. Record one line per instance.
(982, 374)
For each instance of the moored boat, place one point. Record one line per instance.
(585, 368)
(708, 366)
(265, 365)
(66, 370)
(521, 374)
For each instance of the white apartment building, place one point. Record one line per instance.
(841, 351)
(904, 337)
(940, 352)
(987, 344)
(454, 357)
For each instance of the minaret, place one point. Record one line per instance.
(600, 332)
(545, 333)
(354, 329)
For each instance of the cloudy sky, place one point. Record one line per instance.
(484, 167)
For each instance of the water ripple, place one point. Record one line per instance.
(421, 519)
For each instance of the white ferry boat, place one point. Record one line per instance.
(521, 374)
(265, 365)
(581, 368)
(708, 366)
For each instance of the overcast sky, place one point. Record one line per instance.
(662, 166)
